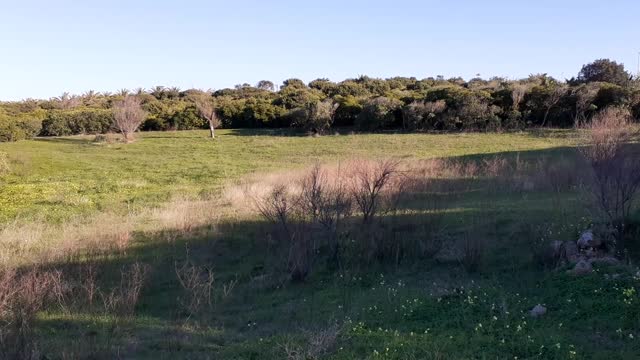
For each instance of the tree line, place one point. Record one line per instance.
(365, 103)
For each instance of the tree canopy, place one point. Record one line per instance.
(367, 103)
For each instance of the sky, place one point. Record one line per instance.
(51, 47)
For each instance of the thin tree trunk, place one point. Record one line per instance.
(212, 130)
(546, 114)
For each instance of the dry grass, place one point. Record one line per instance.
(108, 139)
(615, 164)
(42, 242)
(22, 296)
(4, 163)
(317, 344)
(122, 299)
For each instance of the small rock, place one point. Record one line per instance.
(538, 310)
(582, 267)
(587, 240)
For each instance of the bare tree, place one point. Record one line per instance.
(552, 100)
(615, 164)
(584, 97)
(517, 94)
(207, 110)
(128, 115)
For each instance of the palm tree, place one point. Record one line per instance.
(158, 92)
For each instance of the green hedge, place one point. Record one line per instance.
(82, 121)
(14, 129)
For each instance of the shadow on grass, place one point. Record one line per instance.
(264, 302)
(85, 140)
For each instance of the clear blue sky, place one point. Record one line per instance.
(48, 47)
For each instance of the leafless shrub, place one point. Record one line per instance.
(122, 300)
(584, 95)
(322, 209)
(128, 115)
(88, 283)
(367, 183)
(313, 187)
(317, 344)
(615, 164)
(198, 284)
(285, 209)
(22, 296)
(336, 207)
(553, 98)
(369, 180)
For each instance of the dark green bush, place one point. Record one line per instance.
(74, 122)
(379, 113)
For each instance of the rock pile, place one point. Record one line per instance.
(589, 249)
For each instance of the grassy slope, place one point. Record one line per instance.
(422, 310)
(61, 177)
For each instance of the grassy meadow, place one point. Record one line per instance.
(167, 256)
(61, 177)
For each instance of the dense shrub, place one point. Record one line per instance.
(84, 121)
(349, 107)
(379, 113)
(14, 129)
(317, 116)
(424, 115)
(186, 119)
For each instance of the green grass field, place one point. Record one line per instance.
(418, 309)
(61, 177)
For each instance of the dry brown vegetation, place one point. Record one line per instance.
(615, 164)
(358, 211)
(42, 242)
(317, 343)
(198, 283)
(23, 294)
(128, 116)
